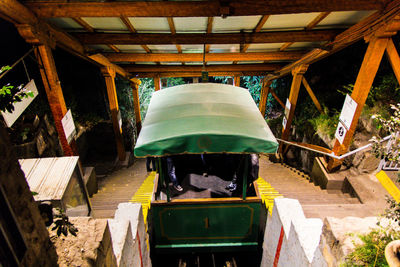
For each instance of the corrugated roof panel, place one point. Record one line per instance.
(235, 24)
(191, 24)
(192, 48)
(148, 63)
(343, 18)
(171, 63)
(218, 63)
(251, 62)
(106, 23)
(105, 48)
(131, 48)
(264, 47)
(156, 25)
(163, 48)
(289, 21)
(225, 48)
(65, 23)
(193, 63)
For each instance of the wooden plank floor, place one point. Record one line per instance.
(118, 187)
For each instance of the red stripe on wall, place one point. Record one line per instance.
(278, 248)
(140, 249)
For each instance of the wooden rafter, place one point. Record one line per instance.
(209, 30)
(173, 31)
(208, 38)
(198, 57)
(132, 29)
(196, 8)
(309, 27)
(190, 68)
(258, 28)
(366, 27)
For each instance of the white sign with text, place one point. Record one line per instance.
(340, 132)
(69, 126)
(348, 110)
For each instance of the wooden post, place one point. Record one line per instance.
(394, 59)
(266, 83)
(55, 96)
(366, 76)
(136, 103)
(297, 73)
(236, 81)
(157, 83)
(109, 75)
(311, 93)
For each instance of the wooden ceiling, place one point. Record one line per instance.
(168, 38)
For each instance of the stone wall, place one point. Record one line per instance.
(40, 250)
(91, 247)
(290, 238)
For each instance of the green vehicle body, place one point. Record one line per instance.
(195, 119)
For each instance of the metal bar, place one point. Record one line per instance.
(246, 168)
(332, 155)
(13, 65)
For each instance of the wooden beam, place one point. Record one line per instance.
(258, 28)
(266, 84)
(317, 20)
(207, 38)
(136, 104)
(197, 74)
(236, 80)
(394, 59)
(188, 68)
(198, 57)
(113, 47)
(109, 76)
(103, 61)
(55, 96)
(209, 30)
(309, 27)
(195, 8)
(311, 93)
(293, 95)
(130, 27)
(157, 83)
(84, 24)
(280, 102)
(378, 21)
(362, 86)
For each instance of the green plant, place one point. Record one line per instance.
(393, 212)
(63, 225)
(391, 126)
(10, 94)
(371, 250)
(325, 123)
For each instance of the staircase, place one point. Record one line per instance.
(316, 202)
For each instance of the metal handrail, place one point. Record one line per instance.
(332, 155)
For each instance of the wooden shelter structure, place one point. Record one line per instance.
(235, 38)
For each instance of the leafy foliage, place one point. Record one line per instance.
(393, 212)
(371, 252)
(10, 94)
(63, 225)
(391, 126)
(146, 89)
(325, 123)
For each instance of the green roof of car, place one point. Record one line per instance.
(203, 118)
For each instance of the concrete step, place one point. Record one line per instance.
(339, 210)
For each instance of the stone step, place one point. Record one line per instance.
(338, 210)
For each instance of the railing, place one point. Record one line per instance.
(332, 155)
(390, 165)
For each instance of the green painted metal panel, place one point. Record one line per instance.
(206, 225)
(206, 117)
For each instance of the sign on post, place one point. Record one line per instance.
(19, 107)
(340, 132)
(286, 114)
(348, 110)
(68, 126)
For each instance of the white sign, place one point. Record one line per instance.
(340, 132)
(69, 126)
(348, 110)
(119, 119)
(284, 121)
(19, 107)
(287, 108)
